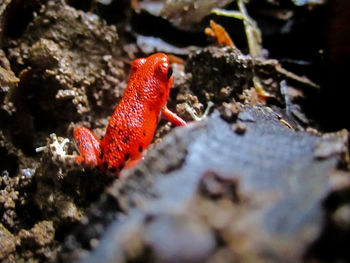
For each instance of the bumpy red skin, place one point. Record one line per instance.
(133, 123)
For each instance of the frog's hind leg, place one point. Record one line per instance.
(89, 147)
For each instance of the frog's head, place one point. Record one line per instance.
(151, 78)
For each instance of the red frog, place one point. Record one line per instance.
(133, 123)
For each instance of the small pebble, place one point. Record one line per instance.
(239, 128)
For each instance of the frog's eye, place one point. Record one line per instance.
(170, 72)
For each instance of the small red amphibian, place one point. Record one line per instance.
(133, 123)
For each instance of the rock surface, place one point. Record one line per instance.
(253, 196)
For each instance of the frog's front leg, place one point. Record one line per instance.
(89, 147)
(172, 117)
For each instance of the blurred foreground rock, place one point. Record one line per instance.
(215, 192)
